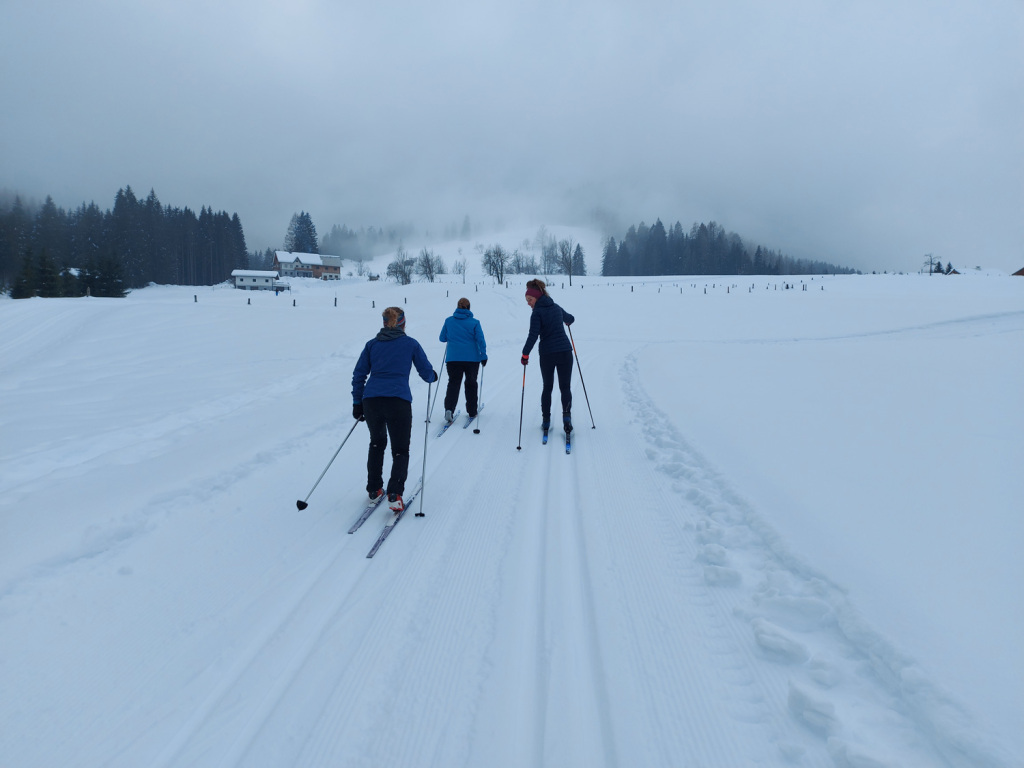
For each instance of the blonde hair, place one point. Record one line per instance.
(393, 317)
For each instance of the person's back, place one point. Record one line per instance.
(555, 350)
(549, 320)
(464, 336)
(385, 401)
(465, 352)
(390, 357)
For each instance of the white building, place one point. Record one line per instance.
(255, 280)
(308, 265)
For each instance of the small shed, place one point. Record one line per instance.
(254, 279)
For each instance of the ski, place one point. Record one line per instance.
(393, 521)
(568, 442)
(470, 419)
(370, 506)
(544, 438)
(447, 424)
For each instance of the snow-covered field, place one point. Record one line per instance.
(792, 538)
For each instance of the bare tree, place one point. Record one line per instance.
(459, 267)
(565, 251)
(401, 267)
(495, 262)
(426, 265)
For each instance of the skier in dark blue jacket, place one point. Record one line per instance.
(467, 351)
(385, 401)
(555, 350)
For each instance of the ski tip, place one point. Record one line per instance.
(301, 505)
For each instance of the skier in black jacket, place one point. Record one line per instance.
(555, 350)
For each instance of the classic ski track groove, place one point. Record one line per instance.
(415, 669)
(589, 689)
(293, 634)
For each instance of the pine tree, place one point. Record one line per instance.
(109, 280)
(14, 242)
(301, 236)
(610, 259)
(579, 264)
(50, 233)
(47, 277)
(25, 284)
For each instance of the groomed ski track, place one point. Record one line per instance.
(619, 606)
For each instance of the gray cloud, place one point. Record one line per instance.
(866, 134)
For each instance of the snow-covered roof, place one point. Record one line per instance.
(302, 258)
(252, 273)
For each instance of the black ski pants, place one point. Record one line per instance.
(549, 364)
(388, 416)
(456, 370)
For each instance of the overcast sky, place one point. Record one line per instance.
(864, 133)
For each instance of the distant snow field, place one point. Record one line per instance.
(788, 534)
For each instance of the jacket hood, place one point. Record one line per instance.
(462, 314)
(390, 334)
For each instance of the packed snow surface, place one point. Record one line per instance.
(788, 532)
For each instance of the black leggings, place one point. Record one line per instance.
(456, 370)
(549, 363)
(388, 416)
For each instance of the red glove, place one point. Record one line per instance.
(526, 359)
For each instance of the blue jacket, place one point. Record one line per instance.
(546, 322)
(388, 359)
(465, 337)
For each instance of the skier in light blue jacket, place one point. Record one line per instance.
(467, 351)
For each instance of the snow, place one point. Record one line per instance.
(790, 538)
(303, 258)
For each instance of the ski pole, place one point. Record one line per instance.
(443, 359)
(522, 400)
(479, 401)
(302, 504)
(426, 442)
(592, 424)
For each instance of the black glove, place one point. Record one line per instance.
(526, 359)
(484, 362)
(436, 377)
(357, 412)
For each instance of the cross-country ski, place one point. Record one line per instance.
(393, 519)
(446, 425)
(471, 419)
(371, 505)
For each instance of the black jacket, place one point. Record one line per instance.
(547, 322)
